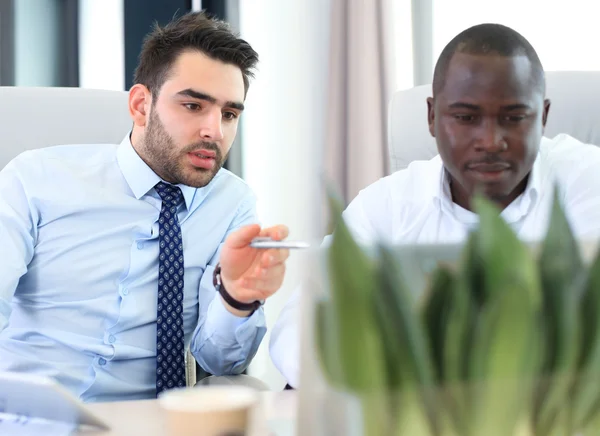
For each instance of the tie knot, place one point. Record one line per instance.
(171, 195)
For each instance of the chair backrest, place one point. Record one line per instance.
(40, 117)
(574, 96)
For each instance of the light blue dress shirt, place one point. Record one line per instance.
(79, 267)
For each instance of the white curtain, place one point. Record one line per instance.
(361, 82)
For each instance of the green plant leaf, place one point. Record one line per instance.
(585, 398)
(561, 270)
(436, 311)
(501, 366)
(361, 360)
(353, 282)
(415, 367)
(327, 341)
(458, 336)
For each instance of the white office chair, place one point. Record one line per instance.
(574, 110)
(41, 117)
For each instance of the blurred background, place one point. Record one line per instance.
(320, 61)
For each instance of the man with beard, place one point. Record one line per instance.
(116, 259)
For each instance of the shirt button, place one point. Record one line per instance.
(111, 339)
(125, 291)
(102, 361)
(140, 245)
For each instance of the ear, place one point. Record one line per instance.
(431, 115)
(140, 101)
(545, 113)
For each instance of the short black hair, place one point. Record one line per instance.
(193, 31)
(487, 39)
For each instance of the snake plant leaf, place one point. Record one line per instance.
(458, 338)
(561, 269)
(435, 314)
(501, 367)
(408, 340)
(353, 283)
(326, 339)
(585, 398)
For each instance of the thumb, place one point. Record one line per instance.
(243, 236)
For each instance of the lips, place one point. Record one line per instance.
(203, 159)
(205, 154)
(489, 167)
(492, 172)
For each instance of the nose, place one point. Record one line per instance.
(491, 137)
(211, 127)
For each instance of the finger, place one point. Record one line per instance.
(269, 281)
(274, 256)
(243, 236)
(277, 233)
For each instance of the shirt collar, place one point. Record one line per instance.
(520, 207)
(140, 177)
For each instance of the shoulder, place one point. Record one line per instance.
(227, 183)
(382, 207)
(563, 150)
(411, 187)
(44, 162)
(575, 165)
(79, 154)
(228, 192)
(569, 160)
(411, 182)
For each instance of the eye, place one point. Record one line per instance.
(230, 115)
(193, 107)
(514, 118)
(465, 118)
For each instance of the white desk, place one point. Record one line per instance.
(275, 417)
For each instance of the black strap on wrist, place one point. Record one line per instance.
(246, 307)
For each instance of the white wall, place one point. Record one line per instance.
(402, 31)
(563, 33)
(101, 44)
(283, 130)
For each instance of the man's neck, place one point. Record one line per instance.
(463, 198)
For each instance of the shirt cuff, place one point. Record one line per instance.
(225, 325)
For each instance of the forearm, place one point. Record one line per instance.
(225, 343)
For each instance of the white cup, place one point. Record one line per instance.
(209, 411)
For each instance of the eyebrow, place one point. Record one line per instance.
(513, 107)
(460, 105)
(510, 107)
(202, 96)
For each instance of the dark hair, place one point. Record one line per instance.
(487, 39)
(192, 31)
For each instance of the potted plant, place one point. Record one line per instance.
(507, 343)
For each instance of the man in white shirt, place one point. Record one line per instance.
(487, 114)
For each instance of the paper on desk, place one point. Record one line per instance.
(25, 426)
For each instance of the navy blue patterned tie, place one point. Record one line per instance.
(170, 364)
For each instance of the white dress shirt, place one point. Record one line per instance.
(414, 205)
(79, 270)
